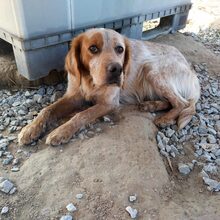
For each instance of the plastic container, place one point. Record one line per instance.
(40, 30)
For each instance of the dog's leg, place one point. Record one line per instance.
(163, 90)
(55, 111)
(65, 132)
(154, 106)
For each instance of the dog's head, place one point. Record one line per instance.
(102, 53)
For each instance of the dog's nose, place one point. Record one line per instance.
(114, 69)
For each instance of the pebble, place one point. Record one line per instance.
(71, 208)
(132, 198)
(133, 212)
(184, 168)
(15, 161)
(106, 119)
(211, 168)
(213, 185)
(4, 210)
(6, 186)
(66, 217)
(15, 169)
(13, 190)
(79, 196)
(217, 161)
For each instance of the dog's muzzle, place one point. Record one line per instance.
(114, 71)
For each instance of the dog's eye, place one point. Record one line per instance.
(119, 49)
(93, 49)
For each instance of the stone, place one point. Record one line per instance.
(204, 174)
(27, 94)
(6, 186)
(8, 160)
(71, 208)
(37, 98)
(168, 148)
(4, 210)
(211, 168)
(15, 169)
(56, 96)
(132, 198)
(217, 125)
(66, 217)
(133, 212)
(217, 153)
(79, 196)
(106, 119)
(217, 161)
(213, 185)
(184, 168)
(13, 190)
(169, 132)
(209, 147)
(211, 139)
(15, 161)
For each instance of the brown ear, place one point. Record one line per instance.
(127, 59)
(72, 61)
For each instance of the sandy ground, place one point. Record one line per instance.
(121, 161)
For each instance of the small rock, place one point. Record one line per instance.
(6, 186)
(71, 208)
(217, 153)
(211, 139)
(169, 132)
(106, 119)
(168, 148)
(13, 190)
(4, 210)
(79, 196)
(15, 161)
(213, 185)
(132, 212)
(7, 160)
(209, 147)
(37, 98)
(217, 161)
(132, 198)
(66, 217)
(204, 174)
(183, 168)
(211, 168)
(56, 96)
(15, 169)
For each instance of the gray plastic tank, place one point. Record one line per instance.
(39, 31)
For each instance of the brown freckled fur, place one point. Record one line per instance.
(156, 77)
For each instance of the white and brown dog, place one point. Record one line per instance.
(107, 69)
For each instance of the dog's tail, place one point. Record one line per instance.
(186, 114)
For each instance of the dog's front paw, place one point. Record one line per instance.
(163, 122)
(30, 133)
(61, 135)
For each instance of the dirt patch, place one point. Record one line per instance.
(106, 169)
(195, 52)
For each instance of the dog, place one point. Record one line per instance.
(108, 69)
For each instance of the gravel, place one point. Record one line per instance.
(202, 133)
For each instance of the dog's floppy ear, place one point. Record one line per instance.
(72, 61)
(127, 59)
